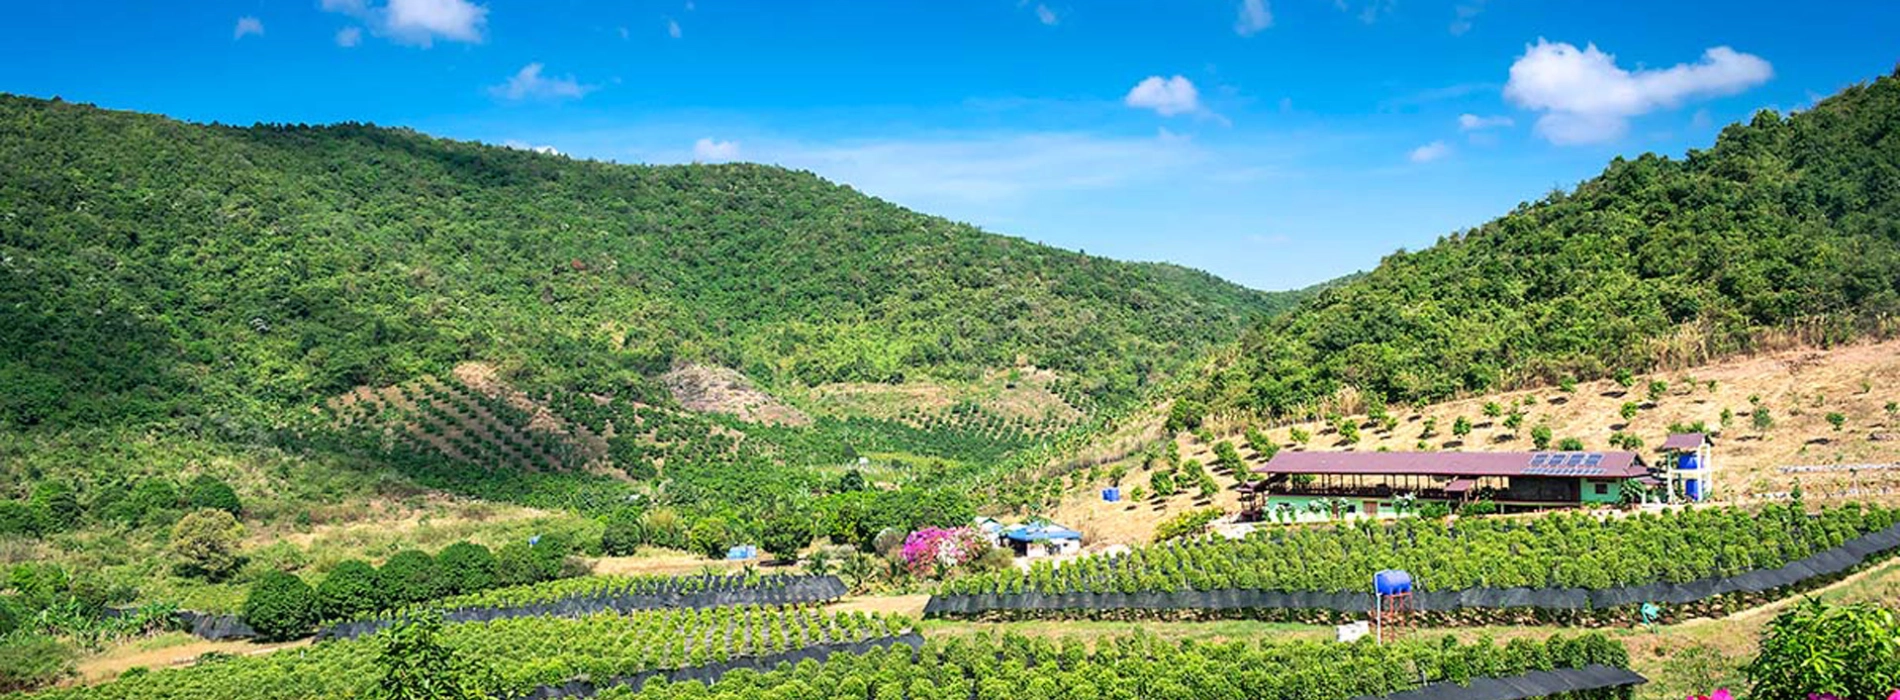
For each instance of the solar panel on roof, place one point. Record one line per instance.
(1537, 460)
(1575, 460)
(1593, 459)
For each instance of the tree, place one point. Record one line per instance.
(1185, 414)
(1761, 419)
(711, 537)
(851, 480)
(1624, 379)
(466, 567)
(1227, 457)
(624, 534)
(1570, 444)
(1837, 420)
(55, 505)
(153, 500)
(1461, 427)
(1492, 409)
(1161, 483)
(411, 576)
(206, 491)
(1628, 411)
(1845, 651)
(352, 589)
(416, 665)
(1299, 436)
(516, 565)
(280, 606)
(1429, 429)
(1656, 390)
(784, 536)
(1540, 436)
(1513, 421)
(207, 542)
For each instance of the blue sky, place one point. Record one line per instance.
(1273, 142)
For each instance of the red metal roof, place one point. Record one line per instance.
(1685, 441)
(1603, 465)
(1460, 485)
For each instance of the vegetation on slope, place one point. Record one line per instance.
(156, 270)
(1788, 229)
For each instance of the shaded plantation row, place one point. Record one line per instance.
(1563, 550)
(622, 596)
(1708, 596)
(526, 653)
(1143, 666)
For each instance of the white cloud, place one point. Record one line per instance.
(1254, 16)
(1586, 98)
(673, 28)
(1430, 152)
(525, 146)
(247, 26)
(1473, 122)
(417, 22)
(1166, 96)
(528, 83)
(710, 151)
(349, 36)
(1464, 14)
(1046, 15)
(1370, 12)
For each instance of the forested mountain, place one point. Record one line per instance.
(157, 271)
(1787, 229)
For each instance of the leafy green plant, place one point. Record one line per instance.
(1847, 651)
(206, 541)
(280, 606)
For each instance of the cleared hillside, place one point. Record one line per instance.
(1798, 389)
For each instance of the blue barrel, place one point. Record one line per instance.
(1111, 494)
(1392, 582)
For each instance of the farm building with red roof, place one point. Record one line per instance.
(1370, 482)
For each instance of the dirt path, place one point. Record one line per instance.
(109, 665)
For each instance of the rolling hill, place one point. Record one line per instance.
(1785, 232)
(161, 272)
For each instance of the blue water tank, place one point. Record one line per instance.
(1392, 582)
(1111, 494)
(1691, 487)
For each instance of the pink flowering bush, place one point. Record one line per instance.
(933, 551)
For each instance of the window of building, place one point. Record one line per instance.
(1603, 489)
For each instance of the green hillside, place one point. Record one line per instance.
(1786, 230)
(160, 272)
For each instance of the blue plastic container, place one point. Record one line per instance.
(1111, 494)
(1691, 486)
(1392, 582)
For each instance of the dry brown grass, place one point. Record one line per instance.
(1799, 387)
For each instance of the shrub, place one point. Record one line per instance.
(1837, 420)
(1570, 444)
(1540, 436)
(1186, 524)
(466, 567)
(516, 565)
(1848, 651)
(623, 535)
(416, 665)
(280, 606)
(411, 577)
(934, 551)
(1567, 385)
(9, 617)
(1299, 436)
(352, 589)
(1478, 507)
(1433, 510)
(1461, 427)
(207, 491)
(31, 661)
(784, 536)
(1493, 409)
(710, 537)
(1628, 411)
(55, 505)
(153, 500)
(1761, 419)
(1185, 414)
(207, 542)
(17, 518)
(1657, 389)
